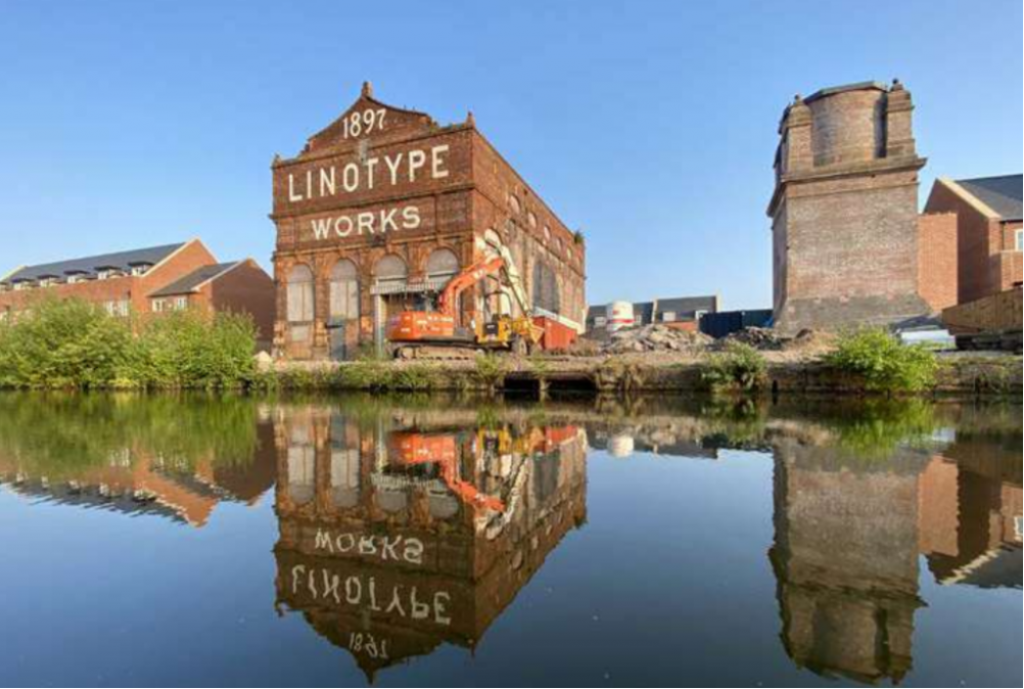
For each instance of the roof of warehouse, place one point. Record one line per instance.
(1001, 194)
(190, 282)
(123, 261)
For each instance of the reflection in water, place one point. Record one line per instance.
(417, 529)
(404, 526)
(849, 532)
(173, 457)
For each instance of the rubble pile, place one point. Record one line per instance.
(762, 339)
(656, 338)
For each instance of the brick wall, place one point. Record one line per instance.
(987, 261)
(459, 196)
(844, 212)
(1010, 274)
(249, 290)
(938, 261)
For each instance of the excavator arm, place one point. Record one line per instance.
(466, 279)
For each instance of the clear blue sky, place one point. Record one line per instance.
(650, 125)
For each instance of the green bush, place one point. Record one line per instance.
(490, 369)
(739, 367)
(72, 344)
(883, 363)
(185, 350)
(66, 344)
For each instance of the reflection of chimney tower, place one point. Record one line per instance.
(845, 559)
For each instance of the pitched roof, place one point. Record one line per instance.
(193, 280)
(1001, 194)
(124, 260)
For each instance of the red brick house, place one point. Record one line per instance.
(146, 281)
(239, 287)
(989, 235)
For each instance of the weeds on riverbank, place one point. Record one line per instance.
(883, 364)
(72, 344)
(738, 368)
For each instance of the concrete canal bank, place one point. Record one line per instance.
(957, 376)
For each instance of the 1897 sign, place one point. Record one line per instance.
(363, 122)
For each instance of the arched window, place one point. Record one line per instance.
(391, 269)
(491, 240)
(441, 264)
(344, 291)
(300, 295)
(545, 288)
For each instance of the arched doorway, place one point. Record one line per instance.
(391, 276)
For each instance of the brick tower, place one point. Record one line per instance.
(844, 212)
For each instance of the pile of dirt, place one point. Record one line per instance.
(656, 338)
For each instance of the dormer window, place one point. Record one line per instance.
(47, 282)
(23, 286)
(140, 269)
(108, 273)
(75, 278)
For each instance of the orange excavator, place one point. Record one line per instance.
(410, 330)
(418, 449)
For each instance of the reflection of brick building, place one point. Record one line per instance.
(971, 515)
(383, 207)
(847, 237)
(138, 481)
(385, 560)
(845, 556)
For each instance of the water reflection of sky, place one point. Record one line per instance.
(328, 543)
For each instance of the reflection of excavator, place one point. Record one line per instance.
(535, 441)
(411, 330)
(415, 448)
(411, 449)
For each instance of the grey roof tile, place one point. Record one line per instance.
(193, 280)
(1001, 194)
(124, 260)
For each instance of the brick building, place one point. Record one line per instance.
(847, 235)
(989, 237)
(239, 287)
(383, 207)
(146, 281)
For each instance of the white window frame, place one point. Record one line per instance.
(1018, 240)
(180, 303)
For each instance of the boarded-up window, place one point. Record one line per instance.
(442, 263)
(391, 269)
(300, 295)
(545, 288)
(344, 291)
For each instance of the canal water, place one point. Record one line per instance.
(346, 541)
